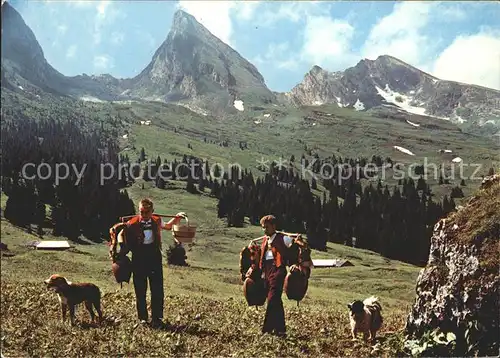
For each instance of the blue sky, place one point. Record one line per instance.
(452, 40)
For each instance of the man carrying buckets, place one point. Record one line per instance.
(272, 262)
(143, 239)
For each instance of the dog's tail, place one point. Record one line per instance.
(373, 305)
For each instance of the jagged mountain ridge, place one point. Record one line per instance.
(390, 81)
(194, 67)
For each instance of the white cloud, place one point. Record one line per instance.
(81, 3)
(62, 29)
(216, 15)
(245, 10)
(290, 64)
(453, 12)
(403, 34)
(101, 8)
(400, 34)
(97, 35)
(146, 37)
(471, 59)
(327, 41)
(71, 51)
(278, 56)
(106, 15)
(99, 20)
(292, 11)
(117, 38)
(103, 62)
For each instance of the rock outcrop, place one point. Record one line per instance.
(458, 290)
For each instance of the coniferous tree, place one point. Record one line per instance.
(190, 188)
(201, 185)
(142, 156)
(397, 225)
(457, 192)
(421, 184)
(72, 199)
(314, 185)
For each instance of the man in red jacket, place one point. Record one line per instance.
(273, 261)
(143, 239)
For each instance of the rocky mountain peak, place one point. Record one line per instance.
(388, 81)
(184, 22)
(194, 65)
(315, 70)
(17, 38)
(23, 61)
(24, 67)
(388, 59)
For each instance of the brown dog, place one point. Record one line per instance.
(365, 317)
(72, 294)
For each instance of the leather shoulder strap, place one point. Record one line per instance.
(134, 220)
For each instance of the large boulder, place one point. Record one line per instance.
(457, 293)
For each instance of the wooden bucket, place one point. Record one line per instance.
(184, 234)
(254, 290)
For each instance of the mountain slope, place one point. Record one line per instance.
(193, 64)
(25, 68)
(22, 56)
(388, 80)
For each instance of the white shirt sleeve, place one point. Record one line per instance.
(287, 240)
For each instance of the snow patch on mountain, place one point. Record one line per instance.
(413, 124)
(404, 150)
(359, 106)
(239, 105)
(91, 99)
(400, 100)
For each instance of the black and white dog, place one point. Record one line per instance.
(365, 317)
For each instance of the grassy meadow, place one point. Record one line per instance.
(326, 130)
(204, 302)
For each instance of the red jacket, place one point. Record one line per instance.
(135, 235)
(278, 248)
